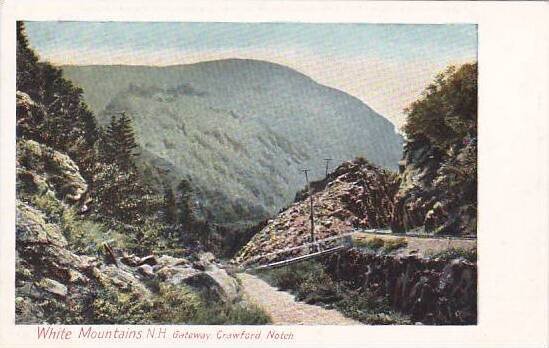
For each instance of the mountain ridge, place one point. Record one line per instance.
(241, 129)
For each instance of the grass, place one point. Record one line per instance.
(377, 243)
(394, 244)
(170, 304)
(310, 283)
(230, 314)
(456, 253)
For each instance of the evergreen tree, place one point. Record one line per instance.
(59, 118)
(119, 142)
(170, 206)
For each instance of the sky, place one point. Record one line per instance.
(387, 66)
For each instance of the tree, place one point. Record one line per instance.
(60, 119)
(447, 112)
(120, 143)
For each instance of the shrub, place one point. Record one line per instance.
(49, 205)
(456, 253)
(231, 314)
(394, 244)
(374, 243)
(175, 304)
(86, 236)
(290, 277)
(112, 306)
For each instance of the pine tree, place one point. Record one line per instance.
(59, 119)
(120, 142)
(170, 206)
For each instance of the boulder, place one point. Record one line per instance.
(148, 260)
(53, 287)
(46, 171)
(32, 228)
(146, 270)
(215, 283)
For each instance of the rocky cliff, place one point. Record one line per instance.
(57, 285)
(426, 279)
(438, 191)
(356, 195)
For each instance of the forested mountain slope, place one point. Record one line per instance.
(239, 130)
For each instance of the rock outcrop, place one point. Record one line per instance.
(44, 171)
(430, 290)
(438, 191)
(356, 195)
(57, 286)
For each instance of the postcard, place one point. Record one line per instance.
(275, 173)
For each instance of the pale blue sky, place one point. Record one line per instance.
(385, 65)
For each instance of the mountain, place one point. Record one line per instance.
(239, 130)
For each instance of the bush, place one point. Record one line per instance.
(230, 314)
(373, 243)
(447, 111)
(456, 253)
(310, 282)
(394, 244)
(112, 306)
(292, 276)
(376, 243)
(86, 236)
(175, 305)
(49, 205)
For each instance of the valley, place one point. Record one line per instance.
(239, 131)
(176, 195)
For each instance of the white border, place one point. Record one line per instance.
(513, 158)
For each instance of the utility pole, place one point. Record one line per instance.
(312, 212)
(327, 161)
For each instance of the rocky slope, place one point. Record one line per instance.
(438, 191)
(430, 281)
(429, 290)
(57, 285)
(356, 195)
(240, 130)
(439, 168)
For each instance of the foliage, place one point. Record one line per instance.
(373, 243)
(175, 305)
(394, 244)
(441, 156)
(376, 243)
(59, 119)
(119, 144)
(112, 306)
(52, 112)
(230, 314)
(456, 253)
(447, 111)
(312, 284)
(170, 305)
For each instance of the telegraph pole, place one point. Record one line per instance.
(327, 161)
(311, 200)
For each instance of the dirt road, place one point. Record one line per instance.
(284, 309)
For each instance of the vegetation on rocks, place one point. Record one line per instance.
(439, 169)
(312, 284)
(90, 230)
(357, 195)
(102, 236)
